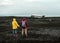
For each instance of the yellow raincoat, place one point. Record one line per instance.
(14, 24)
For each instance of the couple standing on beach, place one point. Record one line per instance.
(23, 24)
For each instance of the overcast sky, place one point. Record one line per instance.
(28, 7)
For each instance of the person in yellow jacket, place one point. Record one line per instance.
(15, 26)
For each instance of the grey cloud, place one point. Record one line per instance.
(47, 7)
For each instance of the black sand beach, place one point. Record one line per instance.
(42, 30)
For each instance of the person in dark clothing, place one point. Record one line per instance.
(24, 25)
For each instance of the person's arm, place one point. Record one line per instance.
(26, 23)
(17, 24)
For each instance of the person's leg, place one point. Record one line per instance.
(26, 31)
(16, 35)
(15, 31)
(22, 32)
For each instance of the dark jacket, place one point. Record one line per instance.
(26, 22)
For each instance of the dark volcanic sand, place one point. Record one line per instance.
(40, 30)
